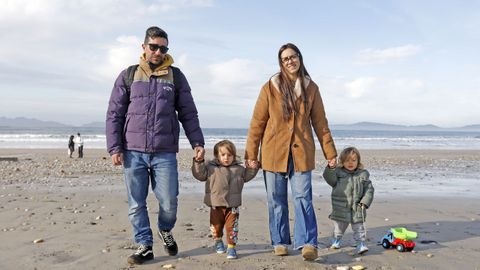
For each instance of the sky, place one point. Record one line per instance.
(400, 62)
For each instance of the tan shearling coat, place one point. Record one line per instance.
(276, 137)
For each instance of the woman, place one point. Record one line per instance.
(288, 106)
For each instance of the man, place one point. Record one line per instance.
(79, 142)
(142, 130)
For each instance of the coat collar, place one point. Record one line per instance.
(298, 89)
(216, 162)
(344, 172)
(161, 70)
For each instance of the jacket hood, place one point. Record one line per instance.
(344, 172)
(298, 89)
(216, 162)
(160, 70)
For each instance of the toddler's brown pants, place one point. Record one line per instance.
(221, 217)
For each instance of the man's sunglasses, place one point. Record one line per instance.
(155, 47)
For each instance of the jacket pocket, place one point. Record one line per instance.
(339, 204)
(238, 185)
(360, 213)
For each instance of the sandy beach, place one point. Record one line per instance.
(77, 210)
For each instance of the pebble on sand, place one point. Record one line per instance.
(39, 240)
(168, 266)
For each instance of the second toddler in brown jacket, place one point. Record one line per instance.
(224, 177)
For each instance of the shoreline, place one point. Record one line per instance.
(401, 173)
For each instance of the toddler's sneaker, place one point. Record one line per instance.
(169, 243)
(335, 244)
(231, 253)
(219, 246)
(362, 248)
(143, 254)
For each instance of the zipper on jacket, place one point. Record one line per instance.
(292, 145)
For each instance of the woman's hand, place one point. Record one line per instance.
(253, 164)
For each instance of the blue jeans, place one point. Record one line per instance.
(305, 226)
(161, 170)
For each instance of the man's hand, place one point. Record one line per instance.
(199, 153)
(117, 159)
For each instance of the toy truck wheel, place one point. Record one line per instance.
(400, 248)
(385, 243)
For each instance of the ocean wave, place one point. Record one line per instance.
(364, 139)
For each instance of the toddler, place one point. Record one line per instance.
(352, 194)
(224, 178)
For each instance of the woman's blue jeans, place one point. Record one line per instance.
(159, 169)
(305, 226)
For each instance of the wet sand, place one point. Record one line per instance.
(78, 208)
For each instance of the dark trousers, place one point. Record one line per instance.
(80, 151)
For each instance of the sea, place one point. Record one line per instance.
(46, 138)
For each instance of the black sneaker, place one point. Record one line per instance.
(143, 254)
(169, 243)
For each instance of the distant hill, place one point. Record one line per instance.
(94, 124)
(472, 127)
(382, 126)
(22, 122)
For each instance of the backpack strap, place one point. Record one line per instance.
(129, 75)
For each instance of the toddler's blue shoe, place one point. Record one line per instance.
(335, 244)
(231, 253)
(362, 248)
(219, 246)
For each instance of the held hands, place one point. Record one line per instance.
(117, 159)
(332, 163)
(199, 153)
(251, 164)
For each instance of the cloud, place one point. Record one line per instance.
(379, 56)
(381, 99)
(125, 51)
(238, 77)
(358, 87)
(55, 9)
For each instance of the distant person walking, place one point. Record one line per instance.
(79, 143)
(287, 108)
(142, 130)
(71, 146)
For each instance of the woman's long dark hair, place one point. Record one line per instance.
(287, 86)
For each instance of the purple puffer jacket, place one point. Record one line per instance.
(147, 120)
